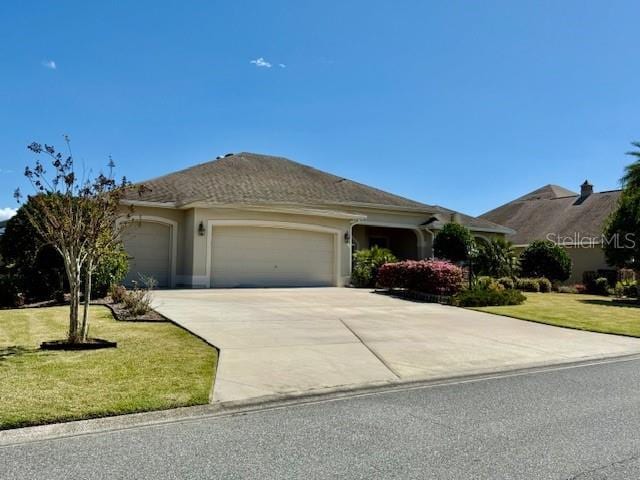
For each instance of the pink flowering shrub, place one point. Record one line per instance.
(436, 277)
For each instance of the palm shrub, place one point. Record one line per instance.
(366, 264)
(496, 258)
(543, 258)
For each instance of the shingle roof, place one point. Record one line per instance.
(548, 191)
(549, 211)
(249, 178)
(253, 179)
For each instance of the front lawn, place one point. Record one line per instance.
(155, 366)
(584, 312)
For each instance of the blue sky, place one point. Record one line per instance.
(461, 104)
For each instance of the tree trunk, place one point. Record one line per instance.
(84, 329)
(74, 289)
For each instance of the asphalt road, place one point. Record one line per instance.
(578, 423)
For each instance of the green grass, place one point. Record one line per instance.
(155, 366)
(584, 312)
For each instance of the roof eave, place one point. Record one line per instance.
(296, 210)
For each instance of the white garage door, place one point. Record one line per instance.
(271, 257)
(148, 245)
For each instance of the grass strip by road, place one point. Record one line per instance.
(155, 366)
(582, 312)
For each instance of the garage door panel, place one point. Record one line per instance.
(148, 246)
(270, 257)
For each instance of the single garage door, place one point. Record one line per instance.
(148, 245)
(271, 257)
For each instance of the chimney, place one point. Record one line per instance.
(586, 189)
(455, 217)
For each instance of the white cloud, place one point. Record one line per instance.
(7, 213)
(261, 62)
(282, 65)
(50, 64)
(2, 170)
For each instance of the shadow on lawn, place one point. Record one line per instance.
(14, 351)
(630, 303)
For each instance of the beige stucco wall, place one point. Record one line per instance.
(585, 259)
(193, 256)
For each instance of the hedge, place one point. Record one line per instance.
(435, 277)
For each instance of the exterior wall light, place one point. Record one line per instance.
(347, 237)
(201, 230)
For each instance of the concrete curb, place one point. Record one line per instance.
(40, 433)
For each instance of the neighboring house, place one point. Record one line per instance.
(567, 218)
(262, 221)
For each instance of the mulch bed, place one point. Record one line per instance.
(416, 296)
(121, 314)
(90, 344)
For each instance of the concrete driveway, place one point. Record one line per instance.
(291, 341)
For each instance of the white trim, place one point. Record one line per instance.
(320, 206)
(142, 203)
(314, 212)
(173, 227)
(337, 233)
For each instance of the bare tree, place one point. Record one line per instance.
(79, 218)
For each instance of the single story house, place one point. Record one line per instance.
(573, 220)
(249, 220)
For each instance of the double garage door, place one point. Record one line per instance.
(243, 256)
(271, 257)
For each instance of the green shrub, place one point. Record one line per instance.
(544, 285)
(454, 243)
(600, 286)
(626, 288)
(366, 264)
(9, 292)
(110, 271)
(567, 289)
(487, 282)
(528, 284)
(596, 285)
(481, 297)
(507, 282)
(29, 258)
(36, 268)
(543, 258)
